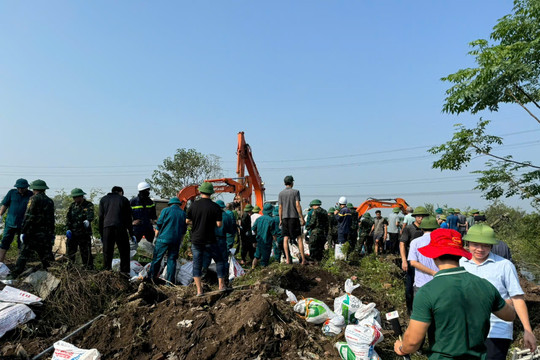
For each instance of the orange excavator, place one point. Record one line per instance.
(372, 203)
(244, 186)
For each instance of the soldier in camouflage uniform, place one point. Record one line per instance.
(365, 239)
(332, 227)
(78, 222)
(353, 232)
(37, 232)
(318, 228)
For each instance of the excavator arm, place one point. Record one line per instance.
(381, 204)
(243, 186)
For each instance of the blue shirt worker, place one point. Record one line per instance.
(452, 220)
(502, 274)
(16, 201)
(143, 211)
(263, 228)
(172, 227)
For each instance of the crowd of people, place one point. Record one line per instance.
(463, 297)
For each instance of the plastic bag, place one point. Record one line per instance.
(4, 270)
(339, 252)
(14, 295)
(146, 247)
(333, 327)
(183, 274)
(235, 269)
(368, 312)
(66, 351)
(134, 267)
(12, 314)
(346, 305)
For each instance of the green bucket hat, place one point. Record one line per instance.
(315, 202)
(38, 185)
(220, 203)
(77, 192)
(396, 210)
(268, 209)
(21, 183)
(248, 207)
(175, 200)
(206, 188)
(481, 233)
(420, 210)
(429, 223)
(256, 209)
(331, 210)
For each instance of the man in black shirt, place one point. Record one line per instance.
(204, 215)
(114, 226)
(410, 232)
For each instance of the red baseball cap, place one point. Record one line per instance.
(445, 242)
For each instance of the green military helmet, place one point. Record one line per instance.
(268, 209)
(439, 211)
(175, 200)
(367, 215)
(206, 188)
(256, 209)
(429, 223)
(331, 210)
(38, 185)
(248, 207)
(220, 203)
(420, 210)
(456, 210)
(481, 233)
(450, 210)
(77, 192)
(396, 210)
(481, 213)
(442, 217)
(315, 202)
(474, 211)
(21, 183)
(350, 205)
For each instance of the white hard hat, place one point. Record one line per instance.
(143, 186)
(342, 200)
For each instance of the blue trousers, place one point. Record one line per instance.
(172, 255)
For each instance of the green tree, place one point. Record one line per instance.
(186, 167)
(508, 71)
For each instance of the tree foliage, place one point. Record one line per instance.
(508, 68)
(186, 167)
(508, 71)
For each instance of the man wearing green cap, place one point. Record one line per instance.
(172, 227)
(205, 215)
(263, 228)
(290, 217)
(503, 275)
(318, 227)
(366, 240)
(410, 232)
(246, 236)
(37, 231)
(79, 230)
(332, 227)
(16, 200)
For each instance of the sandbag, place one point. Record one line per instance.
(134, 267)
(334, 326)
(368, 312)
(346, 305)
(363, 337)
(313, 310)
(183, 274)
(338, 250)
(235, 269)
(146, 247)
(66, 351)
(12, 314)
(346, 353)
(14, 295)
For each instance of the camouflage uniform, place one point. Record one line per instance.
(332, 229)
(318, 228)
(81, 236)
(353, 232)
(365, 238)
(38, 230)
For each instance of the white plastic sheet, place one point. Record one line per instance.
(4, 270)
(235, 269)
(12, 314)
(66, 351)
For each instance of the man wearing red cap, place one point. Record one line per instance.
(454, 308)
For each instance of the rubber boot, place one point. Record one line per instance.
(2, 255)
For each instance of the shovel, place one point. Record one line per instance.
(393, 317)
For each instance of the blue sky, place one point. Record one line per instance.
(346, 96)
